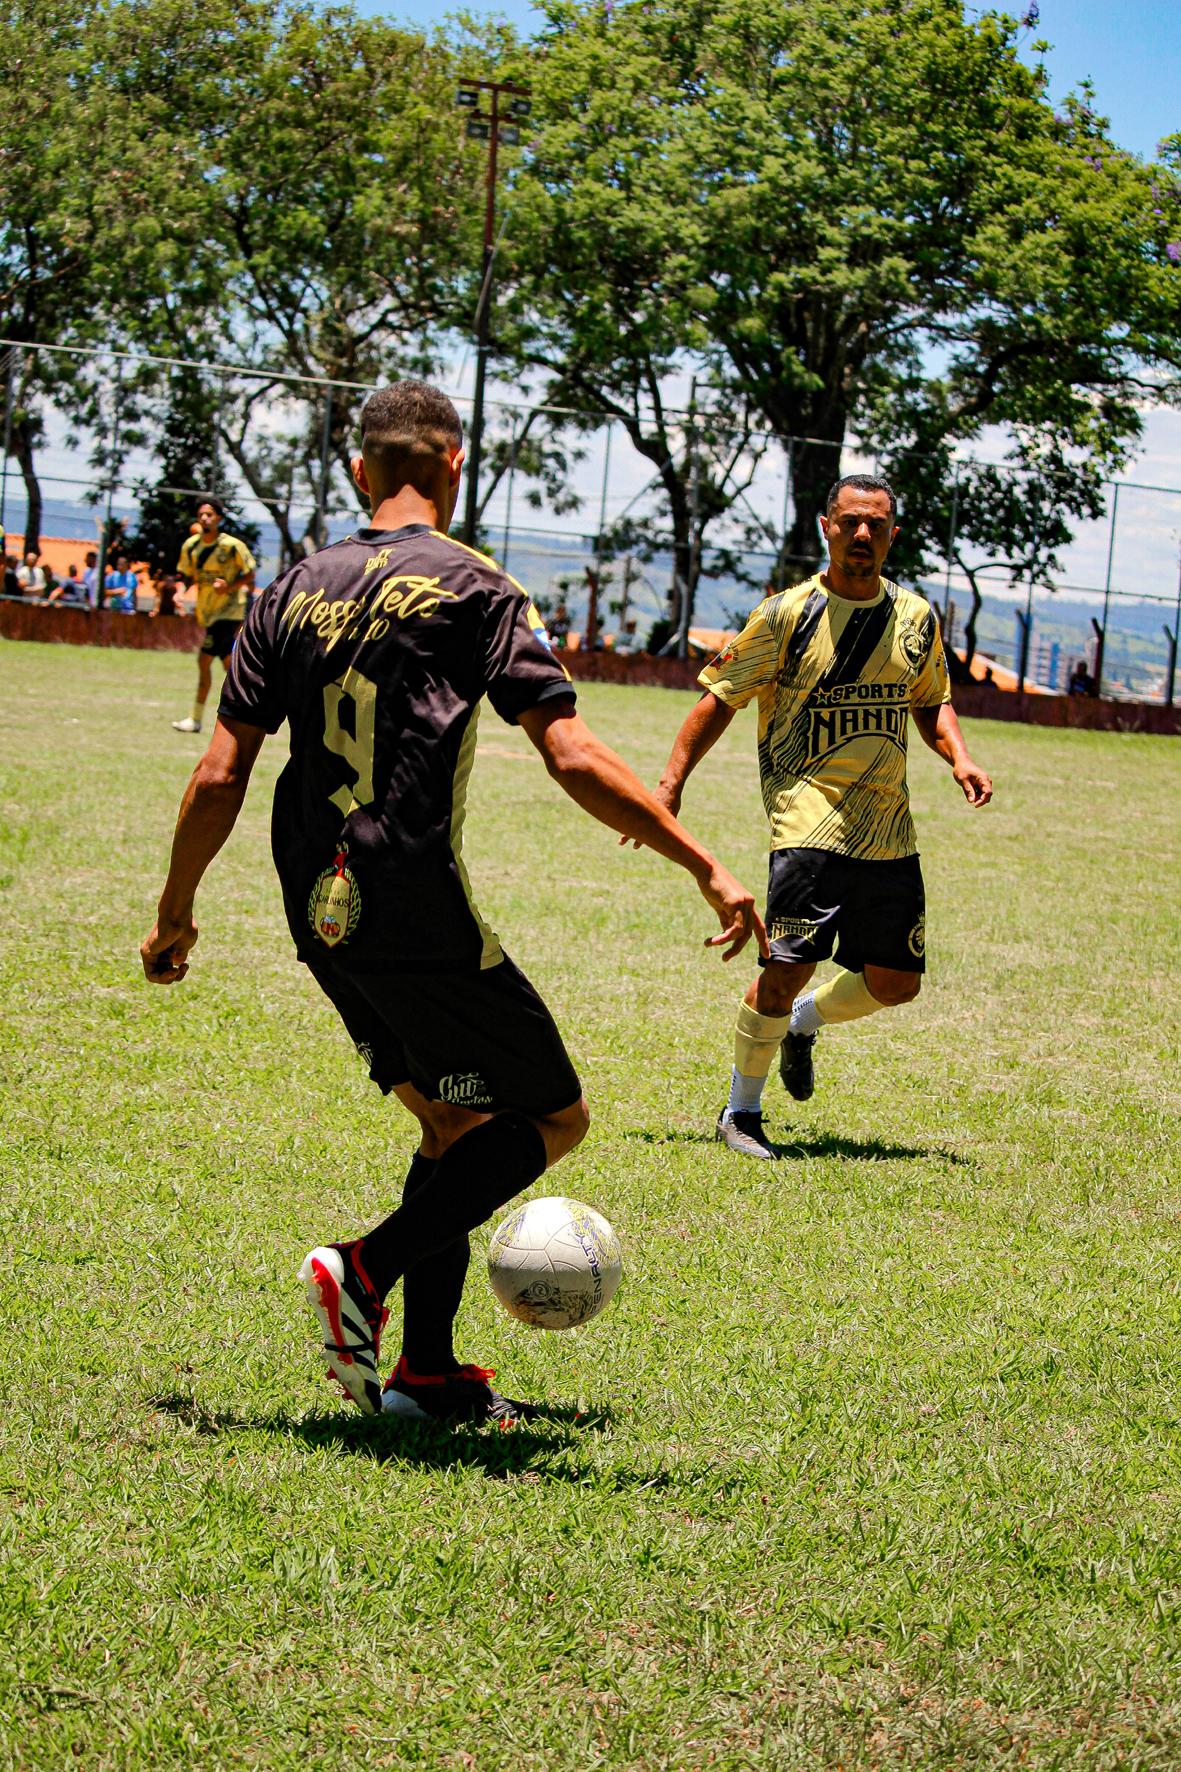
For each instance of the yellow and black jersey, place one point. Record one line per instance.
(203, 562)
(378, 651)
(835, 681)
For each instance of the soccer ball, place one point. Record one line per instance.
(554, 1263)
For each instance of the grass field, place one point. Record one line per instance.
(875, 1460)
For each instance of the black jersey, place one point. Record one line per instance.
(377, 651)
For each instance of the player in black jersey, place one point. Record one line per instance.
(377, 651)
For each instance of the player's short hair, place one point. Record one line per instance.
(405, 430)
(861, 483)
(208, 498)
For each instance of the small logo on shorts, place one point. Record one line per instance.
(465, 1089)
(335, 905)
(782, 927)
(366, 1052)
(916, 941)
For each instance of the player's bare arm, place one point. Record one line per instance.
(208, 813)
(602, 784)
(700, 732)
(940, 730)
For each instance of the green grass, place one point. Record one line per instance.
(879, 1456)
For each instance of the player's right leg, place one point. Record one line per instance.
(204, 678)
(800, 922)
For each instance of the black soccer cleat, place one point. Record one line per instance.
(743, 1133)
(462, 1395)
(795, 1065)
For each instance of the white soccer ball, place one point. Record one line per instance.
(554, 1263)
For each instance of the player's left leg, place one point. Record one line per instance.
(882, 948)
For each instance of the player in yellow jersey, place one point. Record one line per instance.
(222, 569)
(838, 666)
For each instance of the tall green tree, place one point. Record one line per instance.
(868, 222)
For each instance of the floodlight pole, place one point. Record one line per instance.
(484, 306)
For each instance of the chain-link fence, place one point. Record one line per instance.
(117, 449)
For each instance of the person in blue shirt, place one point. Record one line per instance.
(122, 585)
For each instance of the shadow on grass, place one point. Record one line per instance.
(821, 1144)
(540, 1453)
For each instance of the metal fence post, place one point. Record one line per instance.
(9, 401)
(1102, 659)
(508, 502)
(325, 471)
(789, 465)
(100, 569)
(603, 498)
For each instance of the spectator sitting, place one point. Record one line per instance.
(12, 586)
(1080, 680)
(122, 585)
(30, 576)
(558, 626)
(69, 589)
(90, 578)
(627, 641)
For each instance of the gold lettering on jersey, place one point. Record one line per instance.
(410, 594)
(340, 619)
(837, 725)
(377, 562)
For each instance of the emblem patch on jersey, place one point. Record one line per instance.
(913, 647)
(916, 941)
(465, 1089)
(334, 909)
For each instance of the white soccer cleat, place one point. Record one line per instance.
(351, 1319)
(743, 1132)
(189, 725)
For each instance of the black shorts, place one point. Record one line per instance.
(873, 911)
(219, 638)
(480, 1040)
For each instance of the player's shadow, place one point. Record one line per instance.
(821, 1144)
(544, 1449)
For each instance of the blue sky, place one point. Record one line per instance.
(1131, 51)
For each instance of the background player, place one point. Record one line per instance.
(836, 664)
(222, 569)
(378, 651)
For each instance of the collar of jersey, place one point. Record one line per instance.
(368, 535)
(854, 602)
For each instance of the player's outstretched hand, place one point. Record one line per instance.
(165, 952)
(976, 784)
(736, 912)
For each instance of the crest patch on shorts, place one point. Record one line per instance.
(916, 941)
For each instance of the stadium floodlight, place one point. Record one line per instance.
(505, 99)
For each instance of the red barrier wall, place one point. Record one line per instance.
(174, 633)
(72, 626)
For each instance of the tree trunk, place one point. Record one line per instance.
(814, 467)
(24, 431)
